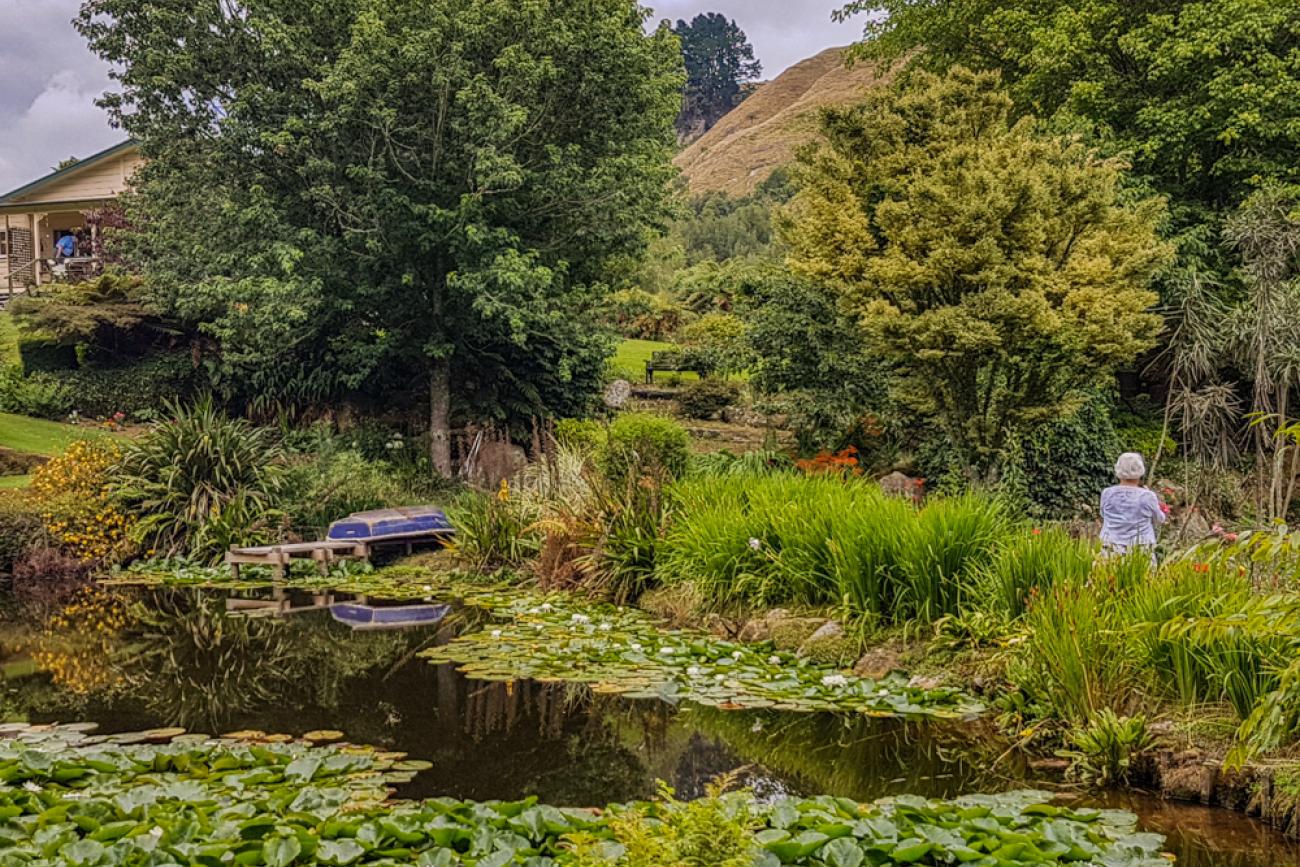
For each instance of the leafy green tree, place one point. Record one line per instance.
(1204, 94)
(1002, 271)
(809, 359)
(359, 195)
(719, 60)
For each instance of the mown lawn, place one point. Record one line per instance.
(40, 437)
(630, 358)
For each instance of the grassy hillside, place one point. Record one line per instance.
(764, 131)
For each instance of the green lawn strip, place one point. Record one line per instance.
(9, 482)
(40, 437)
(165, 797)
(631, 356)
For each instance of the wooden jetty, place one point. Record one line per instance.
(351, 538)
(325, 553)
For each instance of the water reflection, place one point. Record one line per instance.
(146, 659)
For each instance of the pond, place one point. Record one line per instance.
(139, 659)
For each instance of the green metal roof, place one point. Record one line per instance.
(28, 189)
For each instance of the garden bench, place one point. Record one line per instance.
(671, 362)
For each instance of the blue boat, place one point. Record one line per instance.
(382, 525)
(370, 617)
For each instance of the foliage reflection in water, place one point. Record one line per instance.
(141, 659)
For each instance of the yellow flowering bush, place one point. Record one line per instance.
(71, 494)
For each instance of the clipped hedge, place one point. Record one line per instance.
(131, 389)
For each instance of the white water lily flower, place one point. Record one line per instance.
(428, 588)
(31, 787)
(774, 660)
(581, 618)
(665, 651)
(692, 671)
(719, 677)
(635, 648)
(835, 680)
(736, 654)
(606, 626)
(156, 831)
(496, 633)
(534, 611)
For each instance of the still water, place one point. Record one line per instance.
(134, 660)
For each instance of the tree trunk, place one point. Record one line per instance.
(440, 417)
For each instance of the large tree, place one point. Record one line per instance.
(1203, 94)
(1001, 270)
(359, 195)
(719, 61)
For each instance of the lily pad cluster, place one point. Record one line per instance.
(620, 650)
(161, 798)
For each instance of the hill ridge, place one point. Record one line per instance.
(764, 131)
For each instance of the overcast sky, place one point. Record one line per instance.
(50, 80)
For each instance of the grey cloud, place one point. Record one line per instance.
(783, 32)
(51, 80)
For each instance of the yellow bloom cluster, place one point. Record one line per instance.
(77, 645)
(71, 492)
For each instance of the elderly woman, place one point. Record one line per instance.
(1130, 513)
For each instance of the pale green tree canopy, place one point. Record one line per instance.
(1003, 271)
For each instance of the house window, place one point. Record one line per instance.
(4, 243)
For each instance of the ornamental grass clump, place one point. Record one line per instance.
(201, 481)
(828, 540)
(1029, 564)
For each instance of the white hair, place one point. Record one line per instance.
(1130, 466)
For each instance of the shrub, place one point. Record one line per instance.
(1058, 469)
(71, 493)
(580, 434)
(40, 354)
(708, 397)
(641, 315)
(21, 527)
(641, 444)
(32, 395)
(325, 487)
(718, 343)
(182, 474)
(43, 573)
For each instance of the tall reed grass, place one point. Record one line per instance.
(790, 539)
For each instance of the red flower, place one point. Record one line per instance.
(1037, 531)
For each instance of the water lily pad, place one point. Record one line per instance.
(323, 736)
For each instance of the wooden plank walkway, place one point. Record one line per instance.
(325, 554)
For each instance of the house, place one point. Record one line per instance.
(34, 216)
